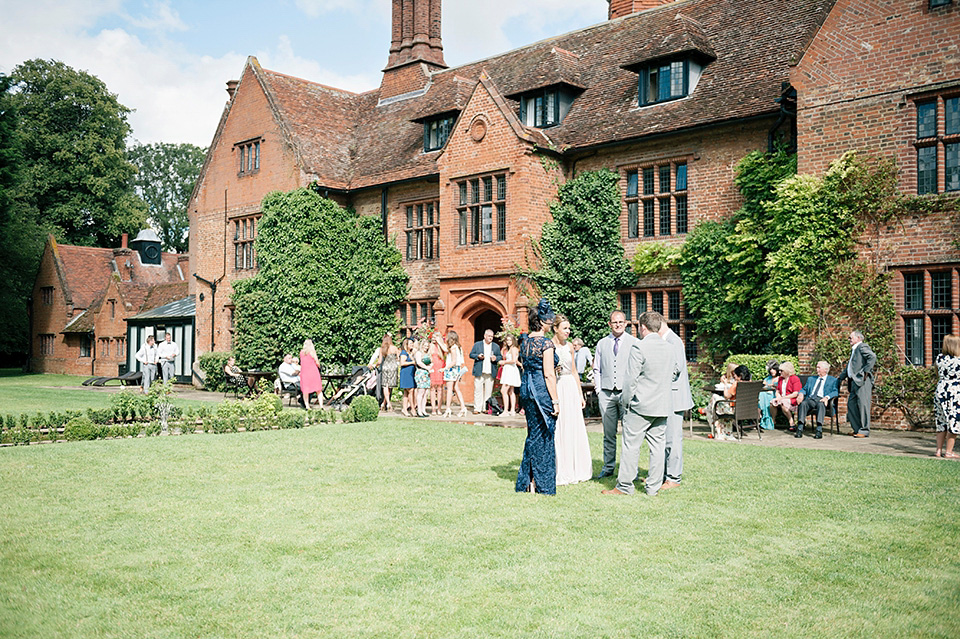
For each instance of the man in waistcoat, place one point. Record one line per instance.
(647, 402)
(609, 372)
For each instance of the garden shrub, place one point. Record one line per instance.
(80, 428)
(348, 416)
(20, 435)
(212, 363)
(290, 420)
(365, 408)
(909, 389)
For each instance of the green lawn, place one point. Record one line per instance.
(37, 393)
(410, 528)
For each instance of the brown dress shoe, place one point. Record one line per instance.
(612, 491)
(669, 484)
(859, 435)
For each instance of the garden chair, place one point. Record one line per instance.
(746, 406)
(234, 383)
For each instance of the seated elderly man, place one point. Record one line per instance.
(290, 377)
(816, 394)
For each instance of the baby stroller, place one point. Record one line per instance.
(357, 384)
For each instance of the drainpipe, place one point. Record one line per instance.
(383, 213)
(213, 302)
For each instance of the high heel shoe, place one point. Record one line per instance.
(447, 413)
(462, 413)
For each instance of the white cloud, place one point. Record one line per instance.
(476, 30)
(179, 95)
(162, 17)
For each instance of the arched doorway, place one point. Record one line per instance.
(483, 321)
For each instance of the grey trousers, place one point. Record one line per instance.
(149, 374)
(611, 412)
(858, 408)
(636, 429)
(167, 369)
(673, 448)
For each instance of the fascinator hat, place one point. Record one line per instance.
(544, 312)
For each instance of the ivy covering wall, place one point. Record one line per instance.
(325, 273)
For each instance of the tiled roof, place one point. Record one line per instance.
(352, 141)
(163, 294)
(86, 271)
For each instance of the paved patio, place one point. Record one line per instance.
(883, 442)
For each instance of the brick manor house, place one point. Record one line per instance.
(460, 164)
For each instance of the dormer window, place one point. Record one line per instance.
(668, 80)
(436, 131)
(545, 107)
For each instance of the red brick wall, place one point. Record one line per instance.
(225, 194)
(856, 80)
(50, 320)
(711, 159)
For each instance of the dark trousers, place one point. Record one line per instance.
(811, 404)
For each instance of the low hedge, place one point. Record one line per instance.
(758, 363)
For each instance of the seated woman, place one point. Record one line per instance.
(788, 387)
(724, 409)
(740, 374)
(233, 374)
(768, 394)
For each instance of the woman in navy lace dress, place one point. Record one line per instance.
(538, 396)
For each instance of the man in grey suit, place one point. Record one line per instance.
(859, 376)
(609, 371)
(646, 403)
(682, 402)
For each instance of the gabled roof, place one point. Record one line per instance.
(84, 271)
(352, 141)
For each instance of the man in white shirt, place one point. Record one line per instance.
(147, 356)
(289, 374)
(581, 355)
(485, 355)
(167, 354)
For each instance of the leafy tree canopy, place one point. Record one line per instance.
(582, 265)
(75, 172)
(325, 273)
(164, 180)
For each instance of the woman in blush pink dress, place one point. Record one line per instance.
(310, 381)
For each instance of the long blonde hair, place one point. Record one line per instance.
(310, 349)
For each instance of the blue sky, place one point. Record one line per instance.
(169, 59)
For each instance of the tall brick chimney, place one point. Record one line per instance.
(620, 8)
(415, 47)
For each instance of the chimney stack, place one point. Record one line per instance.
(232, 87)
(416, 33)
(124, 238)
(620, 8)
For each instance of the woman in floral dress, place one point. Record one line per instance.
(948, 397)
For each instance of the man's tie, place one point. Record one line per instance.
(818, 388)
(616, 345)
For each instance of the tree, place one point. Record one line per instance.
(164, 180)
(21, 238)
(325, 273)
(582, 265)
(75, 172)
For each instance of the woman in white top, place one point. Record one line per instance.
(509, 374)
(574, 463)
(453, 371)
